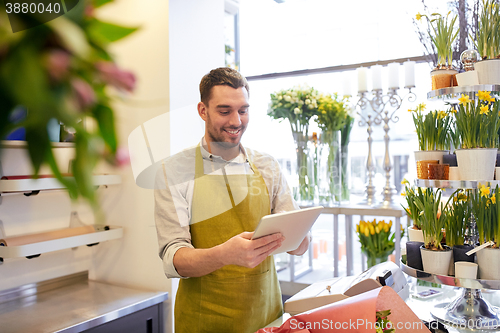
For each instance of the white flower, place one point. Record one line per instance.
(301, 102)
(294, 94)
(288, 98)
(280, 97)
(297, 111)
(310, 106)
(308, 101)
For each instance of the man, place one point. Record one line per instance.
(208, 202)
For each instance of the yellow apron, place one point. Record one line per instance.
(232, 298)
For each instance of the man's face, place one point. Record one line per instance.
(226, 116)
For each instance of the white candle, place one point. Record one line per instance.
(393, 69)
(376, 77)
(409, 74)
(362, 73)
(347, 84)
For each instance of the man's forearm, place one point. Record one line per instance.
(197, 262)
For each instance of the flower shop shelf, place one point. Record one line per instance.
(470, 307)
(455, 184)
(101, 233)
(453, 93)
(30, 184)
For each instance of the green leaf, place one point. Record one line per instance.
(104, 33)
(99, 3)
(105, 118)
(38, 145)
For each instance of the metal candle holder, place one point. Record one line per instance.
(384, 107)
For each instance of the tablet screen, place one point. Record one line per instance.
(294, 225)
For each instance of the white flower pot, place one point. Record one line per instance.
(436, 262)
(488, 261)
(422, 155)
(488, 71)
(415, 235)
(477, 163)
(469, 78)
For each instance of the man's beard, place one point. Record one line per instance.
(218, 137)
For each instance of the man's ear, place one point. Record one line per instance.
(202, 111)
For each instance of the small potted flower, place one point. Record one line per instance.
(442, 32)
(415, 230)
(486, 210)
(436, 257)
(377, 240)
(477, 124)
(487, 43)
(434, 135)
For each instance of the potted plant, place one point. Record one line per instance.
(456, 217)
(433, 133)
(377, 240)
(415, 230)
(331, 120)
(443, 34)
(61, 72)
(486, 210)
(435, 256)
(487, 43)
(477, 124)
(298, 105)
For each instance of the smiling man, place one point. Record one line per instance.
(208, 201)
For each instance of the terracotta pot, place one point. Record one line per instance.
(443, 78)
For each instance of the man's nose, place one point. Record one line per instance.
(235, 119)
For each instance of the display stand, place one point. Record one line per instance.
(469, 309)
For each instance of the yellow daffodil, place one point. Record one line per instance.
(483, 95)
(421, 107)
(441, 114)
(405, 181)
(464, 99)
(484, 109)
(494, 199)
(410, 110)
(453, 111)
(403, 194)
(485, 191)
(418, 17)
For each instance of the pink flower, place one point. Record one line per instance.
(122, 158)
(111, 74)
(85, 95)
(57, 62)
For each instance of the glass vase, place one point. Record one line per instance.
(372, 259)
(345, 174)
(304, 189)
(329, 177)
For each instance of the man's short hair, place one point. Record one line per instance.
(223, 76)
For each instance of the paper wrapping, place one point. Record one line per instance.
(354, 314)
(46, 236)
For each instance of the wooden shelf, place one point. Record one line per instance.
(29, 185)
(102, 233)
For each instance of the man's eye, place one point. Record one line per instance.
(225, 113)
(244, 111)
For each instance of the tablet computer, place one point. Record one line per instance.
(294, 225)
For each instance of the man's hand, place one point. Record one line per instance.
(304, 245)
(241, 250)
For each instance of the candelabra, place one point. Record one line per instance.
(384, 108)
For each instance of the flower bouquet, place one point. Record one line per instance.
(377, 240)
(331, 119)
(298, 105)
(477, 124)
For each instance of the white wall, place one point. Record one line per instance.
(196, 46)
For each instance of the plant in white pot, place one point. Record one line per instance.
(477, 124)
(435, 256)
(486, 210)
(415, 230)
(433, 133)
(487, 42)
